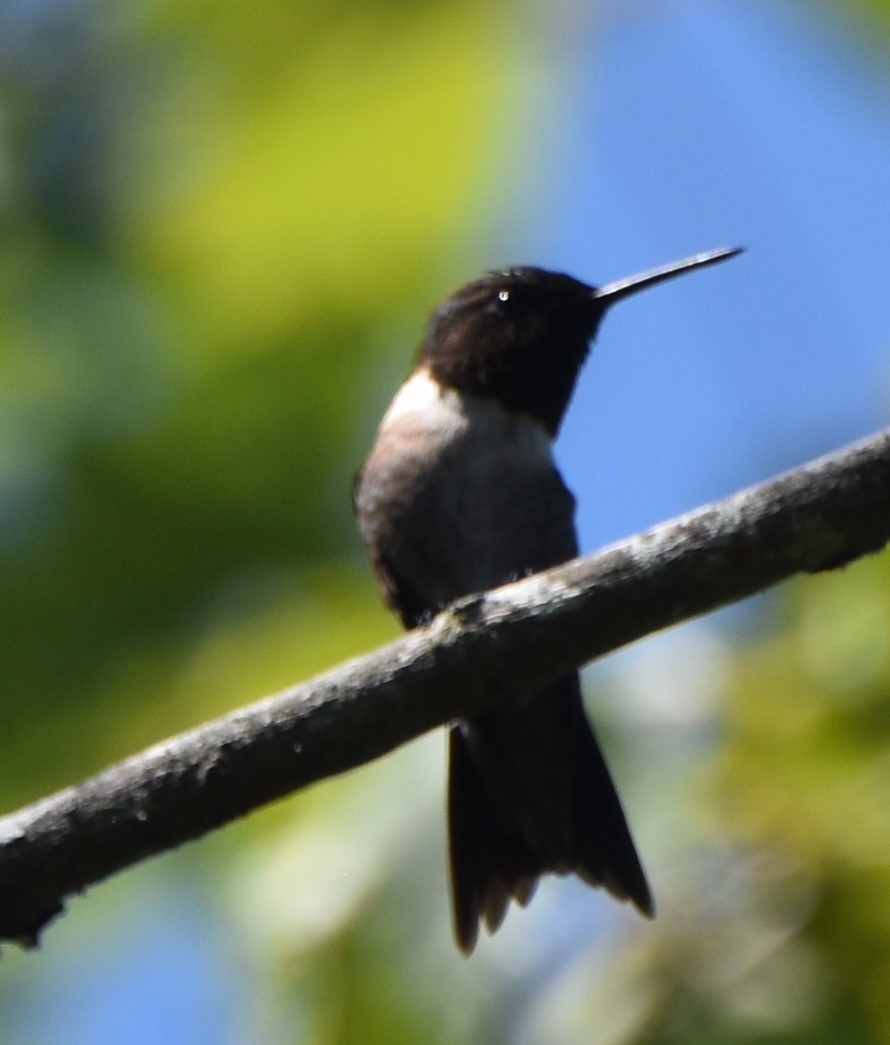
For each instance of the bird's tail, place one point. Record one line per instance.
(492, 862)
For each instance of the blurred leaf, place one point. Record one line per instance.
(208, 216)
(806, 770)
(316, 190)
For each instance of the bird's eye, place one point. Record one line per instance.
(503, 295)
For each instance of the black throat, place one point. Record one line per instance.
(518, 336)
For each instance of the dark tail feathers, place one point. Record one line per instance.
(491, 863)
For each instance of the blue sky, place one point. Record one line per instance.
(696, 125)
(671, 127)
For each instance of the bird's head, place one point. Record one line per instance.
(520, 335)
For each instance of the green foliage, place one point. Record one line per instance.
(773, 922)
(876, 11)
(804, 777)
(208, 214)
(212, 217)
(216, 219)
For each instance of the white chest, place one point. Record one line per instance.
(425, 419)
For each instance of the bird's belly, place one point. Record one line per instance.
(465, 507)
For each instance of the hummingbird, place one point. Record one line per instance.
(459, 494)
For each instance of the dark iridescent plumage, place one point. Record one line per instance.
(460, 494)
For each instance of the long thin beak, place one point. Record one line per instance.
(621, 288)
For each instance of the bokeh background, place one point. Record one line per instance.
(221, 228)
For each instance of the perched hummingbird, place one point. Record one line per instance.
(460, 494)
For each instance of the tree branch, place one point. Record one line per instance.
(484, 650)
